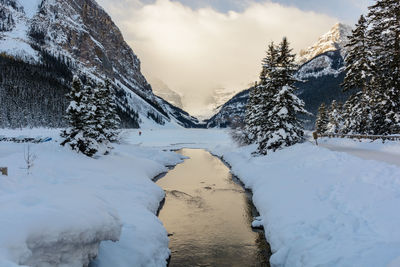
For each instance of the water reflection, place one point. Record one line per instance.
(209, 216)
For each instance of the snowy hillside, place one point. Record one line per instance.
(80, 35)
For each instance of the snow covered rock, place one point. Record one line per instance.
(258, 223)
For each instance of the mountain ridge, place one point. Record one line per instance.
(81, 34)
(319, 81)
(335, 39)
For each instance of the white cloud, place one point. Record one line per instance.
(197, 51)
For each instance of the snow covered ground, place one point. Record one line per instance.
(69, 203)
(388, 151)
(319, 207)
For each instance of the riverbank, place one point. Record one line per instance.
(68, 204)
(323, 208)
(318, 207)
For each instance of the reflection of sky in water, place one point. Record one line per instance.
(209, 215)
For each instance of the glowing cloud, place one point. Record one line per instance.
(196, 51)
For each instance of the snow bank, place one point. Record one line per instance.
(388, 151)
(318, 207)
(59, 214)
(211, 139)
(323, 208)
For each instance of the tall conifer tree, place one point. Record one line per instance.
(384, 19)
(280, 125)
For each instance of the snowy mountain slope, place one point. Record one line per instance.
(231, 113)
(162, 90)
(335, 39)
(81, 35)
(320, 80)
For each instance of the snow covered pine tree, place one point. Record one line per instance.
(335, 117)
(92, 118)
(80, 116)
(359, 74)
(112, 120)
(275, 120)
(321, 124)
(373, 64)
(384, 22)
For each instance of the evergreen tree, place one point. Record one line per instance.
(384, 19)
(321, 124)
(80, 135)
(249, 129)
(360, 74)
(265, 92)
(280, 125)
(334, 118)
(358, 58)
(112, 120)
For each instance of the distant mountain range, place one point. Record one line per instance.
(321, 72)
(43, 43)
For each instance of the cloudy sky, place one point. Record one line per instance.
(197, 46)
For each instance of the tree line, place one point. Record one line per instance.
(373, 65)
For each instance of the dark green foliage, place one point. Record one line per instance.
(129, 118)
(32, 95)
(92, 117)
(321, 124)
(272, 110)
(358, 59)
(335, 117)
(374, 64)
(155, 117)
(107, 122)
(80, 116)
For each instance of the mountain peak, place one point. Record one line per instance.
(335, 39)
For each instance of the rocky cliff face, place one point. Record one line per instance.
(81, 35)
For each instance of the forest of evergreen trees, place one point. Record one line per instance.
(33, 94)
(373, 65)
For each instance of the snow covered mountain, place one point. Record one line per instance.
(320, 77)
(334, 40)
(55, 39)
(162, 90)
(220, 97)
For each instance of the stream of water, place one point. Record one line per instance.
(208, 215)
